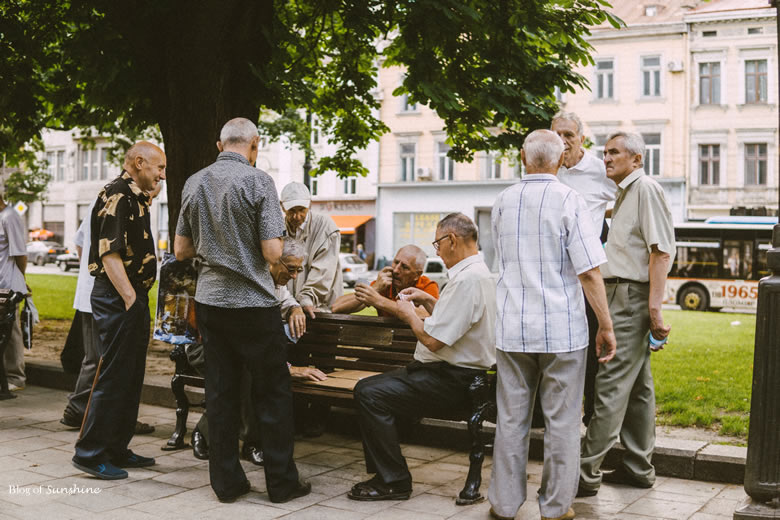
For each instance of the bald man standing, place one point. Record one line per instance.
(122, 259)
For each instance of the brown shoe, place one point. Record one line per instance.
(568, 516)
(495, 515)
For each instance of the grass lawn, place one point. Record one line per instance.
(702, 378)
(53, 296)
(704, 375)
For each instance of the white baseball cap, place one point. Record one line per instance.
(295, 194)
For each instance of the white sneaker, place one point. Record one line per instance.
(15, 388)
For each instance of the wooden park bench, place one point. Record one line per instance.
(349, 348)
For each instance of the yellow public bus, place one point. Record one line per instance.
(719, 262)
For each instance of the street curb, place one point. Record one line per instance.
(679, 458)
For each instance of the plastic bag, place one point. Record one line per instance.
(175, 317)
(29, 317)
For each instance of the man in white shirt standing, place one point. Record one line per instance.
(585, 173)
(13, 263)
(546, 247)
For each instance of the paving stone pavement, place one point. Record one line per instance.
(37, 480)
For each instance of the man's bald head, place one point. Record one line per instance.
(145, 162)
(408, 265)
(542, 152)
(415, 253)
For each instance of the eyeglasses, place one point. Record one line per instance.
(436, 242)
(291, 270)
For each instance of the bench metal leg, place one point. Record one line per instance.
(176, 442)
(481, 404)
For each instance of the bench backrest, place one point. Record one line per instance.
(354, 343)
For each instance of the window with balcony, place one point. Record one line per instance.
(652, 154)
(709, 164)
(407, 157)
(605, 74)
(755, 164)
(709, 83)
(755, 81)
(651, 76)
(350, 186)
(445, 165)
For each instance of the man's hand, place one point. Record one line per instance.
(310, 373)
(29, 291)
(406, 311)
(367, 295)
(657, 327)
(309, 310)
(413, 294)
(297, 322)
(606, 344)
(129, 302)
(384, 279)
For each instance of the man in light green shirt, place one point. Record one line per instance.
(640, 250)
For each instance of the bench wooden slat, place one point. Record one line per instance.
(352, 364)
(360, 352)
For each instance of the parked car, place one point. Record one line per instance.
(67, 261)
(352, 268)
(436, 270)
(41, 252)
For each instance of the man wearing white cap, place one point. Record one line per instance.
(320, 283)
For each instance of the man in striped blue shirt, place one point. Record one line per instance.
(548, 252)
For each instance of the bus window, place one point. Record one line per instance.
(762, 246)
(738, 259)
(696, 260)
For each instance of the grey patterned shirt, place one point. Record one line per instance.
(227, 208)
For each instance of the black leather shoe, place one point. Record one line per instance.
(230, 498)
(252, 454)
(583, 492)
(301, 490)
(374, 489)
(71, 420)
(624, 477)
(200, 447)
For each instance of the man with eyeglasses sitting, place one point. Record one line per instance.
(384, 293)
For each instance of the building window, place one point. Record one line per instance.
(407, 161)
(709, 83)
(755, 164)
(84, 165)
(104, 163)
(60, 176)
(755, 30)
(651, 10)
(315, 131)
(94, 170)
(519, 170)
(314, 184)
(605, 70)
(709, 34)
(709, 164)
(755, 81)
(598, 145)
(493, 165)
(652, 153)
(50, 165)
(651, 76)
(350, 186)
(445, 164)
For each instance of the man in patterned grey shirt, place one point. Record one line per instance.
(230, 219)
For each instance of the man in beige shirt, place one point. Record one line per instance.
(640, 250)
(456, 343)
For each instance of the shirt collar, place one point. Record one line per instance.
(625, 183)
(582, 164)
(539, 177)
(138, 192)
(460, 266)
(233, 156)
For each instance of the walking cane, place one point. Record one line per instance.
(89, 401)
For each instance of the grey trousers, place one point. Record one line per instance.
(560, 379)
(625, 396)
(77, 401)
(13, 358)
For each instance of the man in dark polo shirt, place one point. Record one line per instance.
(231, 220)
(122, 260)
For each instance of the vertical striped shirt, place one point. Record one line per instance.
(544, 238)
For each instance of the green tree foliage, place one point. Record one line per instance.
(488, 67)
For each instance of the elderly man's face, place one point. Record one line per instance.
(405, 271)
(572, 140)
(151, 171)
(286, 270)
(295, 216)
(618, 161)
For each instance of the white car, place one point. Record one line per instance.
(352, 268)
(436, 270)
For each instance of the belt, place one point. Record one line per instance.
(622, 280)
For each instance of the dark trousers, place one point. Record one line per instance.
(113, 406)
(418, 390)
(591, 364)
(77, 401)
(251, 338)
(249, 430)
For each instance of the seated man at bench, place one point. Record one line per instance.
(456, 343)
(286, 270)
(383, 294)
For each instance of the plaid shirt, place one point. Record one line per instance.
(544, 239)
